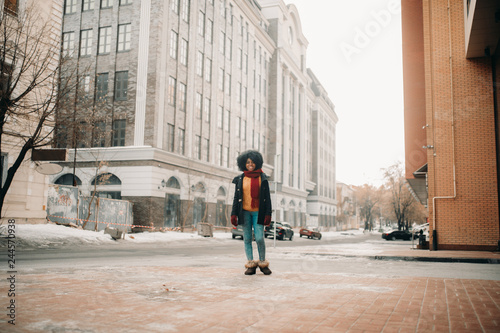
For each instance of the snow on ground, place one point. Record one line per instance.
(46, 235)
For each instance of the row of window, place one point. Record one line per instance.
(201, 147)
(104, 41)
(94, 135)
(102, 84)
(70, 6)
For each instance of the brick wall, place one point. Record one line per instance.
(460, 112)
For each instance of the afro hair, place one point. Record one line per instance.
(254, 155)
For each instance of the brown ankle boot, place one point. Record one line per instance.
(264, 267)
(251, 267)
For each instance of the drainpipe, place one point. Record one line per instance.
(434, 229)
(495, 114)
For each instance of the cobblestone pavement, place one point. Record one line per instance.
(221, 299)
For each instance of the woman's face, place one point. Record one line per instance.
(250, 165)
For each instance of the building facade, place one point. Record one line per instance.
(450, 58)
(26, 198)
(171, 92)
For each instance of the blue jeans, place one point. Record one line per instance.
(250, 220)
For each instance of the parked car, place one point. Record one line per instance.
(238, 232)
(398, 234)
(310, 232)
(283, 230)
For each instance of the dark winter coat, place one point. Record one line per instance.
(265, 207)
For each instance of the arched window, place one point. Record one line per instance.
(106, 179)
(108, 186)
(173, 183)
(221, 192)
(67, 179)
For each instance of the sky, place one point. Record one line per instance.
(355, 51)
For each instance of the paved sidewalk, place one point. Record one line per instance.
(215, 299)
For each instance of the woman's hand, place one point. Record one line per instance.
(234, 220)
(267, 220)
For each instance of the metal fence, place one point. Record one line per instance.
(65, 206)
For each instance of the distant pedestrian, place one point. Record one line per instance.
(252, 208)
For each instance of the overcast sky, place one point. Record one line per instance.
(355, 51)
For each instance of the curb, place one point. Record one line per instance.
(409, 258)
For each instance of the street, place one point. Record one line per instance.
(199, 285)
(310, 255)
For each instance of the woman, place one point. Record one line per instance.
(252, 208)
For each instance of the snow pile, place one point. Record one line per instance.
(47, 235)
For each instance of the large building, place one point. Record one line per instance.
(450, 59)
(26, 198)
(172, 91)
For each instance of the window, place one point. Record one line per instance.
(185, 10)
(183, 92)
(221, 79)
(102, 86)
(210, 31)
(119, 132)
(69, 8)
(124, 35)
(244, 130)
(201, 24)
(219, 154)
(199, 63)
(197, 147)
(220, 116)
(121, 86)
(86, 42)
(86, 84)
(172, 82)
(227, 116)
(198, 105)
(68, 44)
(222, 42)
(88, 5)
(173, 44)
(99, 134)
(208, 70)
(238, 127)
(10, 7)
(206, 149)
(184, 52)
(223, 8)
(228, 84)
(104, 40)
(206, 109)
(106, 3)
(125, 2)
(181, 133)
(239, 58)
(5, 166)
(174, 5)
(229, 48)
(170, 137)
(238, 93)
(225, 162)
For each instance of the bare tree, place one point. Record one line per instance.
(367, 197)
(400, 197)
(31, 86)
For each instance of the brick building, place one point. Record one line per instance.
(450, 59)
(172, 91)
